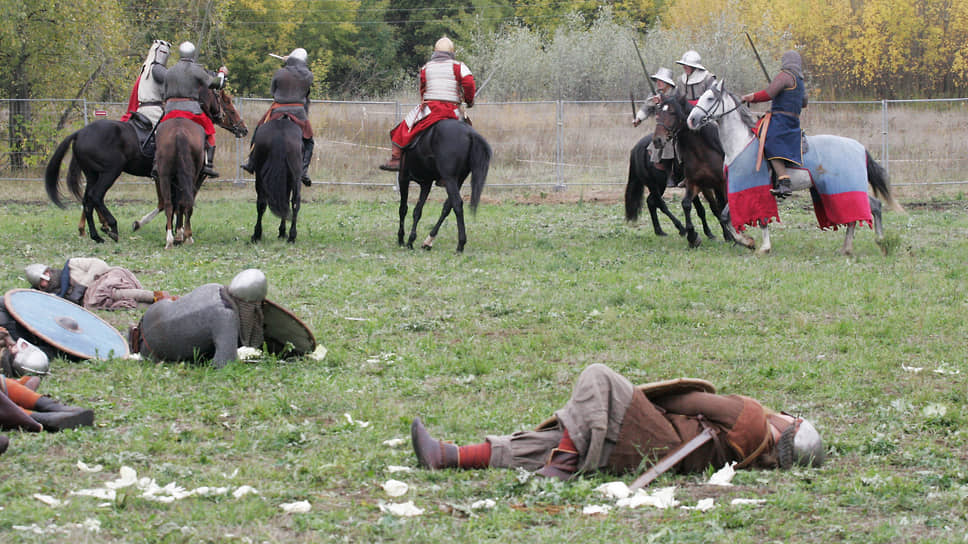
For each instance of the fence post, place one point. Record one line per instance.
(885, 136)
(559, 146)
(84, 101)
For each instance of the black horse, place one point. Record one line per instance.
(102, 150)
(702, 162)
(642, 174)
(277, 160)
(446, 153)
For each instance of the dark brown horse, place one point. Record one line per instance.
(277, 160)
(102, 150)
(178, 162)
(702, 162)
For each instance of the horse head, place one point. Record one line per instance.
(711, 106)
(670, 118)
(220, 109)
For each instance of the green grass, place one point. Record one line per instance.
(490, 342)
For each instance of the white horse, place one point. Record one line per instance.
(837, 171)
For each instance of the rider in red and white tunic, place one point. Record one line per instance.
(444, 84)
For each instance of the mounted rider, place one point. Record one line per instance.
(147, 93)
(662, 157)
(695, 79)
(782, 123)
(182, 84)
(290, 98)
(444, 83)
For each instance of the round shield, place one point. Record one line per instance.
(64, 325)
(284, 333)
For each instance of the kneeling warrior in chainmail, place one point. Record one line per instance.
(211, 322)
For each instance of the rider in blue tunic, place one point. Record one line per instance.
(789, 97)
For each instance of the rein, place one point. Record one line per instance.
(710, 115)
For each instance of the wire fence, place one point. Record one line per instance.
(544, 145)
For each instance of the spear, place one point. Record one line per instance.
(648, 78)
(758, 59)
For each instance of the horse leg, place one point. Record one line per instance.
(169, 235)
(295, 213)
(701, 212)
(656, 202)
(766, 246)
(691, 236)
(428, 244)
(457, 203)
(260, 209)
(418, 211)
(282, 229)
(878, 224)
(187, 230)
(109, 224)
(848, 248)
(402, 210)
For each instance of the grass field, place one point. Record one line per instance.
(871, 348)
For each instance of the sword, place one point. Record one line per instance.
(648, 78)
(758, 59)
(275, 56)
(672, 459)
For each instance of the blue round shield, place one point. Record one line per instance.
(65, 325)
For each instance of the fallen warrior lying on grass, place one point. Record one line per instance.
(610, 425)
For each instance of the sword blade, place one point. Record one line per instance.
(672, 459)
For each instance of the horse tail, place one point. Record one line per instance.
(480, 159)
(277, 173)
(638, 171)
(74, 178)
(52, 172)
(184, 196)
(877, 177)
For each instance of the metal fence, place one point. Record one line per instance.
(553, 145)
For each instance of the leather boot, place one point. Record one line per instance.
(562, 465)
(393, 165)
(47, 404)
(209, 168)
(247, 165)
(4, 442)
(13, 417)
(58, 421)
(783, 188)
(30, 382)
(431, 453)
(307, 157)
(134, 338)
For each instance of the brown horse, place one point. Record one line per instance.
(702, 163)
(102, 150)
(178, 162)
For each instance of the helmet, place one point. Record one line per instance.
(691, 58)
(249, 285)
(36, 272)
(664, 74)
(298, 54)
(187, 50)
(800, 444)
(29, 359)
(159, 52)
(444, 44)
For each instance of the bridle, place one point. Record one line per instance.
(710, 115)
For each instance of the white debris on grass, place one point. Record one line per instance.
(394, 442)
(943, 368)
(596, 509)
(244, 490)
(660, 498)
(404, 509)
(84, 467)
(703, 505)
(298, 507)
(246, 353)
(747, 501)
(351, 421)
(914, 369)
(48, 500)
(90, 524)
(319, 353)
(934, 410)
(150, 490)
(614, 490)
(133, 357)
(392, 469)
(723, 476)
(484, 503)
(395, 488)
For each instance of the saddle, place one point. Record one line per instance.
(144, 130)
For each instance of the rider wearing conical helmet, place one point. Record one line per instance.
(444, 83)
(664, 157)
(182, 83)
(788, 95)
(290, 97)
(695, 79)
(147, 93)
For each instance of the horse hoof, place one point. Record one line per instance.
(135, 226)
(113, 236)
(427, 247)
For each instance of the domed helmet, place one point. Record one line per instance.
(36, 272)
(691, 58)
(187, 50)
(444, 44)
(30, 360)
(800, 444)
(249, 285)
(664, 74)
(298, 54)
